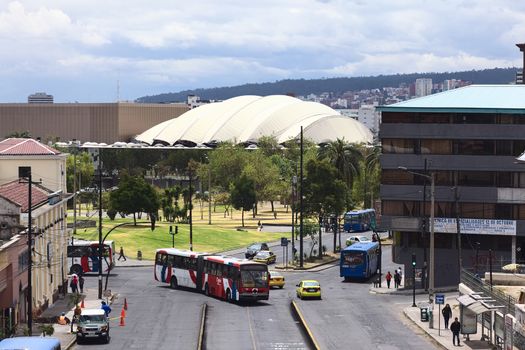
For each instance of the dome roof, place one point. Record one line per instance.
(244, 119)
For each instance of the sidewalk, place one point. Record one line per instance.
(440, 335)
(63, 332)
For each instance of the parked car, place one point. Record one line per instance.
(93, 323)
(265, 256)
(276, 279)
(254, 248)
(354, 239)
(308, 289)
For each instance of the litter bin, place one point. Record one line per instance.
(424, 313)
(139, 255)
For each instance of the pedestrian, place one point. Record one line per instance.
(447, 314)
(396, 279)
(74, 284)
(400, 272)
(388, 279)
(455, 327)
(81, 283)
(76, 316)
(106, 308)
(121, 254)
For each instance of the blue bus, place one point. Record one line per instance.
(30, 343)
(359, 261)
(359, 220)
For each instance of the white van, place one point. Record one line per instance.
(93, 323)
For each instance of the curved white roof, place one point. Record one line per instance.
(244, 119)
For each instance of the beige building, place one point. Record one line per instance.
(49, 211)
(96, 122)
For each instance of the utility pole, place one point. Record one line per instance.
(100, 241)
(209, 194)
(191, 209)
(301, 262)
(25, 172)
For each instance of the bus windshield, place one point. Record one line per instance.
(254, 276)
(353, 258)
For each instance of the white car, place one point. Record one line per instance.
(354, 239)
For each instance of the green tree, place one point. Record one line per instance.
(366, 184)
(243, 194)
(19, 134)
(324, 192)
(345, 157)
(134, 195)
(84, 171)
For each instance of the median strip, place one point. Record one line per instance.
(299, 314)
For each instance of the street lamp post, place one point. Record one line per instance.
(431, 274)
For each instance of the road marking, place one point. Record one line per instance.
(252, 333)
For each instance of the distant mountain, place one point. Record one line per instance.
(336, 86)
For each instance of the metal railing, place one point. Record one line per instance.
(478, 285)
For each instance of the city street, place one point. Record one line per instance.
(348, 316)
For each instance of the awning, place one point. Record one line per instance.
(475, 305)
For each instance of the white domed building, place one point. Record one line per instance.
(244, 119)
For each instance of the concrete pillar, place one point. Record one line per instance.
(513, 250)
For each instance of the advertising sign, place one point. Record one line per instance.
(476, 226)
(468, 319)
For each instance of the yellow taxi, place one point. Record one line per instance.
(276, 279)
(265, 257)
(309, 289)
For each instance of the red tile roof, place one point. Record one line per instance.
(17, 193)
(29, 147)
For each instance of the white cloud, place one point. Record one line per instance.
(204, 43)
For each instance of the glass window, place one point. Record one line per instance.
(476, 178)
(400, 146)
(397, 117)
(475, 119)
(397, 177)
(436, 146)
(434, 118)
(474, 147)
(504, 179)
(504, 147)
(504, 211)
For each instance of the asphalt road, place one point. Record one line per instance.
(348, 316)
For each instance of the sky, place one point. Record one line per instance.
(104, 51)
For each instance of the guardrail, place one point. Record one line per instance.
(478, 285)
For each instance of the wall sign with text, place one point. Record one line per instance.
(476, 226)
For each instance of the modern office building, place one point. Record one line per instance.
(468, 140)
(96, 122)
(40, 97)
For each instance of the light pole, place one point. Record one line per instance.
(294, 189)
(431, 262)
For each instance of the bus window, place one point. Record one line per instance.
(354, 258)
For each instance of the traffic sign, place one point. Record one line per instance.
(440, 299)
(284, 242)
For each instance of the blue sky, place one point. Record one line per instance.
(81, 50)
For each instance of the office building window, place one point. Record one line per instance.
(476, 178)
(401, 146)
(434, 118)
(436, 147)
(474, 147)
(393, 117)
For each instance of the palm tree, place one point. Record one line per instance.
(369, 169)
(344, 156)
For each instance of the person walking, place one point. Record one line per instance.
(455, 327)
(400, 273)
(121, 254)
(76, 316)
(81, 283)
(388, 279)
(74, 284)
(447, 314)
(396, 279)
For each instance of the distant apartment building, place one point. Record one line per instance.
(95, 122)
(371, 118)
(423, 87)
(40, 97)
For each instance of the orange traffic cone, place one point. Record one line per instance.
(123, 313)
(122, 323)
(125, 304)
(82, 304)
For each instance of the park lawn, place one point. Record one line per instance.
(206, 238)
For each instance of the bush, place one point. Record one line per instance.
(47, 329)
(112, 213)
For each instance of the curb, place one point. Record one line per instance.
(435, 341)
(202, 328)
(311, 337)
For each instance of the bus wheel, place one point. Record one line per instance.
(75, 269)
(173, 283)
(206, 289)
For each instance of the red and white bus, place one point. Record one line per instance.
(224, 277)
(83, 256)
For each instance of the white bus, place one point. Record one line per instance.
(83, 256)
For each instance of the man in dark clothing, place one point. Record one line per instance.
(121, 254)
(455, 327)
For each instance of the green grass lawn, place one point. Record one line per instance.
(206, 238)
